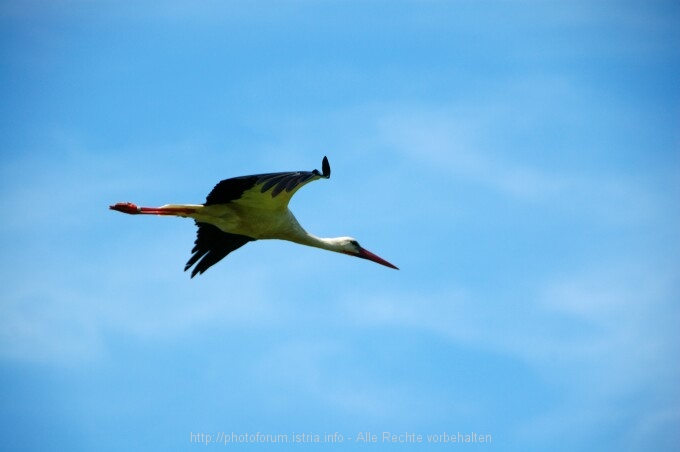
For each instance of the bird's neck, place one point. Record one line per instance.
(305, 238)
(293, 232)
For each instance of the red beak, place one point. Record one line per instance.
(365, 254)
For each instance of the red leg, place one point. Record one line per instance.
(133, 209)
(126, 207)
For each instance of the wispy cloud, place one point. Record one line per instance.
(602, 334)
(466, 144)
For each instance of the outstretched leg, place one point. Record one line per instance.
(178, 210)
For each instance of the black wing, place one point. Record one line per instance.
(212, 245)
(284, 184)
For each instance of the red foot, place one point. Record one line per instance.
(125, 207)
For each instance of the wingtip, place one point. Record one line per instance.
(325, 168)
(194, 272)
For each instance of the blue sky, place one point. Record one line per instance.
(518, 160)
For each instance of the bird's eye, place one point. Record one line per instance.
(354, 242)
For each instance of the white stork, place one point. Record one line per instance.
(247, 208)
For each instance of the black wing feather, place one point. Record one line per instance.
(326, 168)
(232, 189)
(212, 245)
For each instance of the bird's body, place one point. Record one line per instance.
(248, 208)
(236, 218)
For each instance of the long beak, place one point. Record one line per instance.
(365, 254)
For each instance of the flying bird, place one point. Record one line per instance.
(248, 208)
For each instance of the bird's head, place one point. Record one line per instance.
(350, 246)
